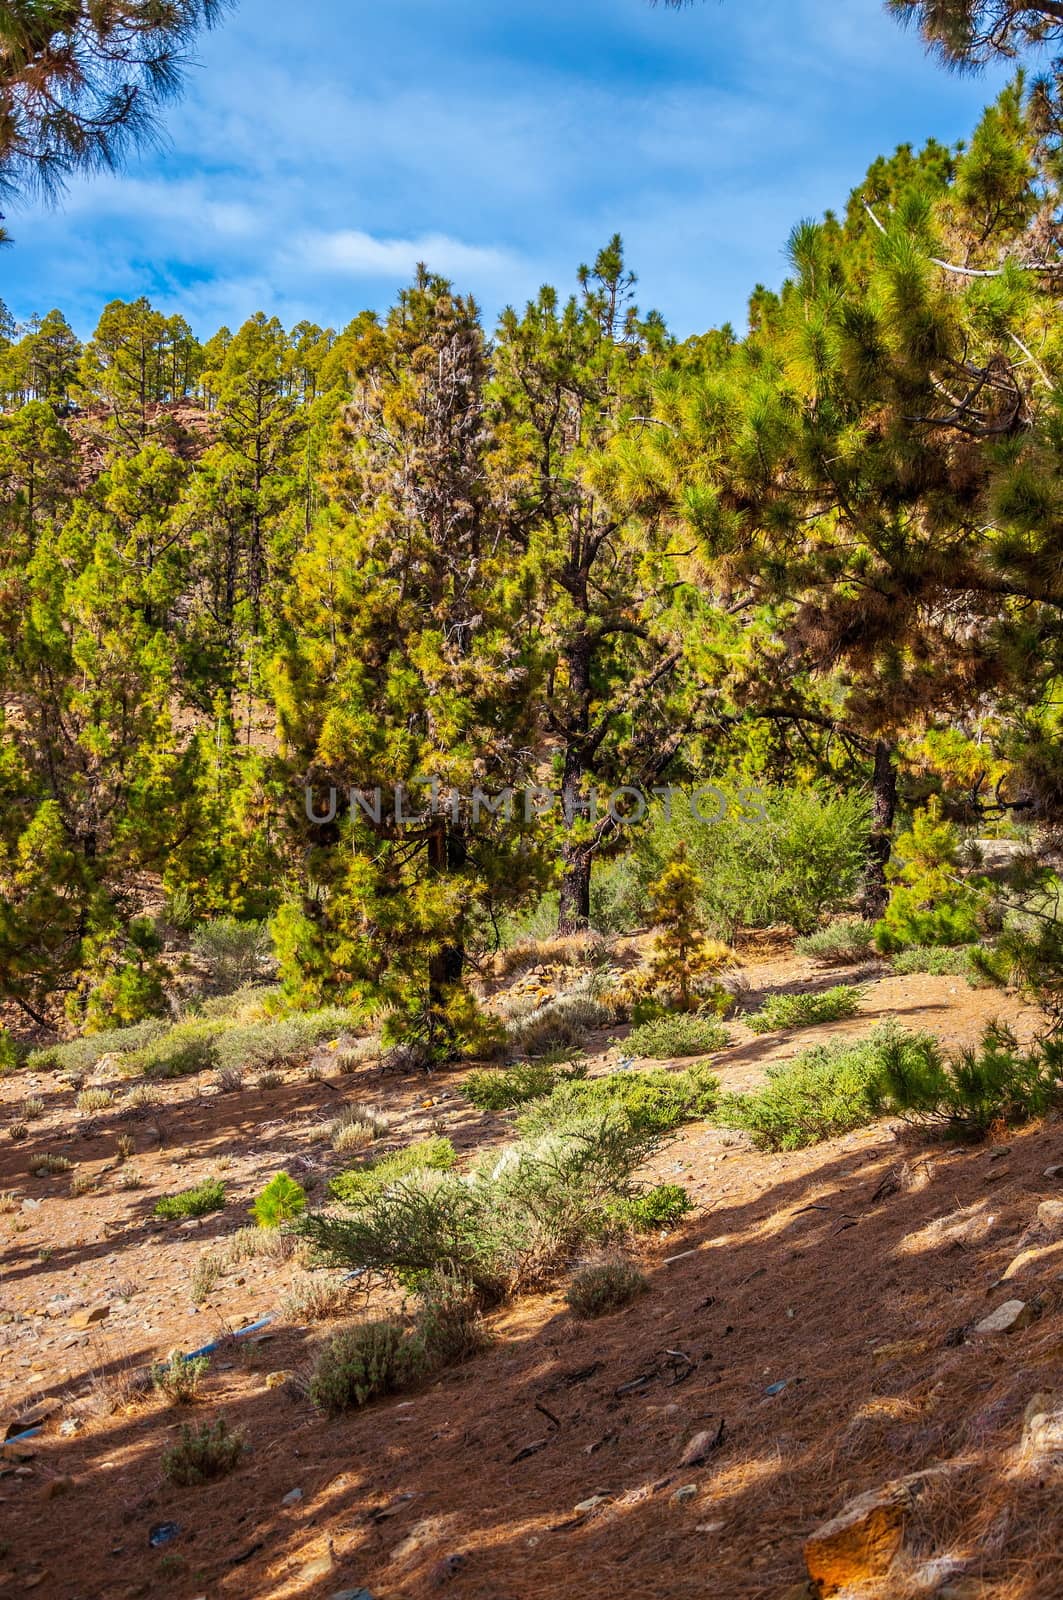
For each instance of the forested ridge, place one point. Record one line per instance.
(570, 551)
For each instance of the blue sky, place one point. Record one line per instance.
(324, 147)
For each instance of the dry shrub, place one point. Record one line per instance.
(564, 950)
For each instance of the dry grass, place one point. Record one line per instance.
(90, 1101)
(356, 1129)
(313, 1297)
(564, 950)
(49, 1164)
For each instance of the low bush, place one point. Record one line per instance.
(606, 1286)
(500, 1089)
(361, 1364)
(32, 1108)
(356, 1129)
(839, 944)
(929, 903)
(200, 1454)
(660, 1207)
(678, 1034)
(966, 1094)
(555, 950)
(196, 1202)
(360, 1184)
(235, 952)
(82, 1055)
(282, 1200)
(189, 1047)
(92, 1100)
(48, 1165)
(257, 1046)
(511, 1222)
(806, 1010)
(229, 1080)
(560, 1023)
(448, 1326)
(649, 1100)
(179, 1377)
(939, 960)
(824, 1091)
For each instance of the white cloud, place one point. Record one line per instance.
(356, 254)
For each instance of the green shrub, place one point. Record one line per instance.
(449, 1327)
(500, 1089)
(234, 951)
(660, 1207)
(82, 1055)
(209, 1451)
(361, 1364)
(928, 903)
(805, 1010)
(258, 1045)
(511, 1222)
(189, 1047)
(840, 944)
(384, 1357)
(824, 1091)
(678, 1034)
(939, 960)
(966, 1094)
(9, 1054)
(93, 1100)
(782, 855)
(650, 1100)
(607, 1286)
(179, 1377)
(282, 1200)
(206, 1196)
(360, 1184)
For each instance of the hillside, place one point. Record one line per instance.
(808, 1330)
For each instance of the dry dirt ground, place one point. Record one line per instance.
(814, 1315)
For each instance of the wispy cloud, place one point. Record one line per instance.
(309, 170)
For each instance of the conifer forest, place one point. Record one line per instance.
(531, 892)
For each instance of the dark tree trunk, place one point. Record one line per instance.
(883, 810)
(446, 853)
(574, 910)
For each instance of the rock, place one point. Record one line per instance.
(314, 1571)
(710, 1527)
(1047, 1225)
(68, 1428)
(686, 1492)
(1042, 1425)
(592, 1504)
(701, 1446)
(1037, 1255)
(89, 1316)
(292, 1498)
(1008, 1318)
(859, 1544)
(1054, 1172)
(448, 1568)
(351, 1594)
(899, 1349)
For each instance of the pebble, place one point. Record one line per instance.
(292, 1498)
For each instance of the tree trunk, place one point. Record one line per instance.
(883, 810)
(446, 853)
(574, 910)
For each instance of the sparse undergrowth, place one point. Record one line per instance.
(678, 1034)
(824, 1091)
(604, 1286)
(966, 1094)
(840, 944)
(781, 1011)
(195, 1202)
(939, 961)
(201, 1453)
(650, 1099)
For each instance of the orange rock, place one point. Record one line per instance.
(860, 1543)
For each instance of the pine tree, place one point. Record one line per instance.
(407, 659)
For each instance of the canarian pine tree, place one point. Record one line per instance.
(406, 672)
